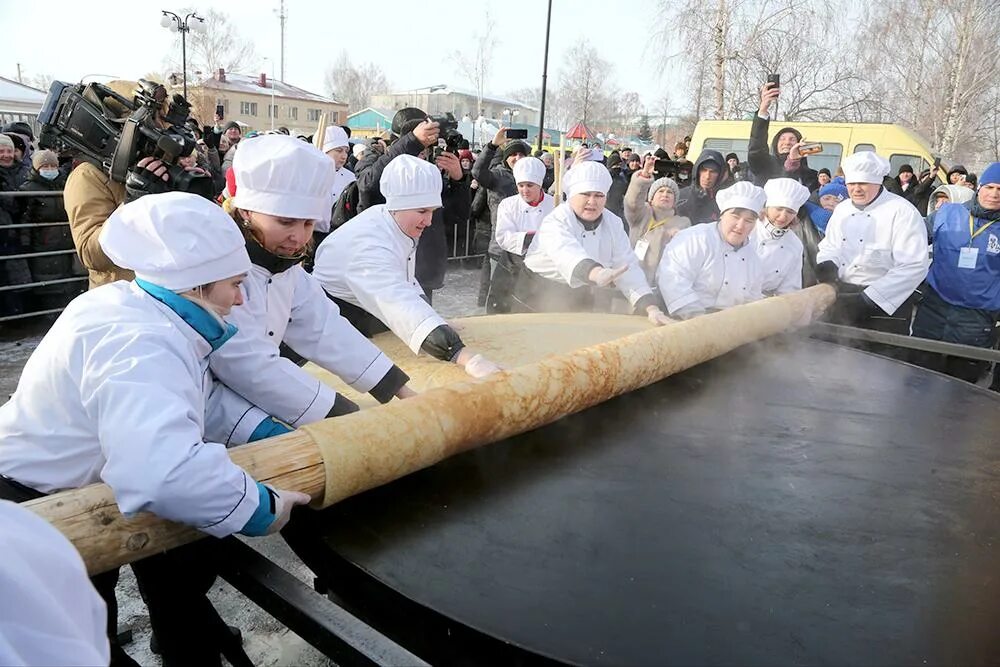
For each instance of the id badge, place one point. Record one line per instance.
(641, 248)
(967, 258)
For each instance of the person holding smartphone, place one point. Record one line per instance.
(781, 158)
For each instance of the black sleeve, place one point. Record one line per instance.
(759, 153)
(481, 167)
(582, 270)
(389, 385)
(368, 178)
(342, 406)
(644, 302)
(443, 343)
(528, 238)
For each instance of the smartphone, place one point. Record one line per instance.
(937, 165)
(220, 110)
(517, 134)
(775, 79)
(810, 149)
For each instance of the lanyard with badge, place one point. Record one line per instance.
(642, 247)
(967, 256)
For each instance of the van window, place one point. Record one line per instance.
(726, 146)
(829, 158)
(898, 160)
(864, 147)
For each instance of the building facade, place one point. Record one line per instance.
(461, 102)
(20, 103)
(255, 101)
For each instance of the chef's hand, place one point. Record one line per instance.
(476, 365)
(603, 277)
(827, 272)
(857, 307)
(279, 509)
(690, 311)
(451, 165)
(657, 316)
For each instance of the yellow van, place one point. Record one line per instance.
(899, 144)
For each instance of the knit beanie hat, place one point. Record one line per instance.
(905, 168)
(516, 146)
(991, 176)
(663, 183)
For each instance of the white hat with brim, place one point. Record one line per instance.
(743, 195)
(865, 167)
(408, 182)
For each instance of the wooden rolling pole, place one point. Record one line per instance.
(320, 132)
(376, 446)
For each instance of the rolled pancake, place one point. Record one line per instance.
(509, 340)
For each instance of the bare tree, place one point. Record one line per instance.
(220, 46)
(476, 64)
(584, 83)
(355, 85)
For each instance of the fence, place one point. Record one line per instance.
(460, 246)
(35, 285)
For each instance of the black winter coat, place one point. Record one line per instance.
(699, 205)
(499, 183)
(765, 162)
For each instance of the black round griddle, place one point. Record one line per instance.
(793, 502)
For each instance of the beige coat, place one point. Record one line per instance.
(91, 196)
(653, 229)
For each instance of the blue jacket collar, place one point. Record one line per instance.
(196, 316)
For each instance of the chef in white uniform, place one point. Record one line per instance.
(367, 266)
(520, 215)
(875, 250)
(337, 146)
(282, 187)
(714, 266)
(580, 246)
(116, 393)
(51, 613)
(779, 249)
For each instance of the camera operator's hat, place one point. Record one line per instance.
(282, 176)
(786, 193)
(587, 177)
(406, 119)
(865, 167)
(176, 240)
(743, 194)
(529, 170)
(408, 182)
(334, 137)
(515, 146)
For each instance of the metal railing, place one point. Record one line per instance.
(33, 255)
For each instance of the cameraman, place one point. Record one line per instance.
(415, 135)
(91, 196)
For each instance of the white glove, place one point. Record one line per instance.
(658, 317)
(479, 367)
(603, 277)
(284, 501)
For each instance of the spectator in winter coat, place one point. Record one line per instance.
(956, 174)
(498, 179)
(909, 187)
(823, 176)
(961, 301)
(650, 213)
(697, 201)
(781, 159)
(12, 242)
(829, 196)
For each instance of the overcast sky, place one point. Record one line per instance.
(411, 41)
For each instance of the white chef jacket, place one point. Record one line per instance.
(780, 260)
(700, 267)
(290, 306)
(562, 242)
(370, 262)
(344, 177)
(51, 614)
(882, 246)
(516, 218)
(116, 392)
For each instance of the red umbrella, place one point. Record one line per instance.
(579, 131)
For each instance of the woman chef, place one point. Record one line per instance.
(116, 392)
(283, 186)
(875, 250)
(517, 220)
(714, 265)
(780, 252)
(367, 266)
(579, 246)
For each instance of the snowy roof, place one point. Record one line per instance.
(448, 90)
(12, 91)
(385, 113)
(243, 83)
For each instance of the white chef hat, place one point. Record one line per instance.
(358, 150)
(742, 194)
(283, 176)
(865, 167)
(408, 182)
(786, 193)
(529, 170)
(176, 240)
(587, 177)
(334, 137)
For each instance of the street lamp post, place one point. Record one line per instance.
(176, 24)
